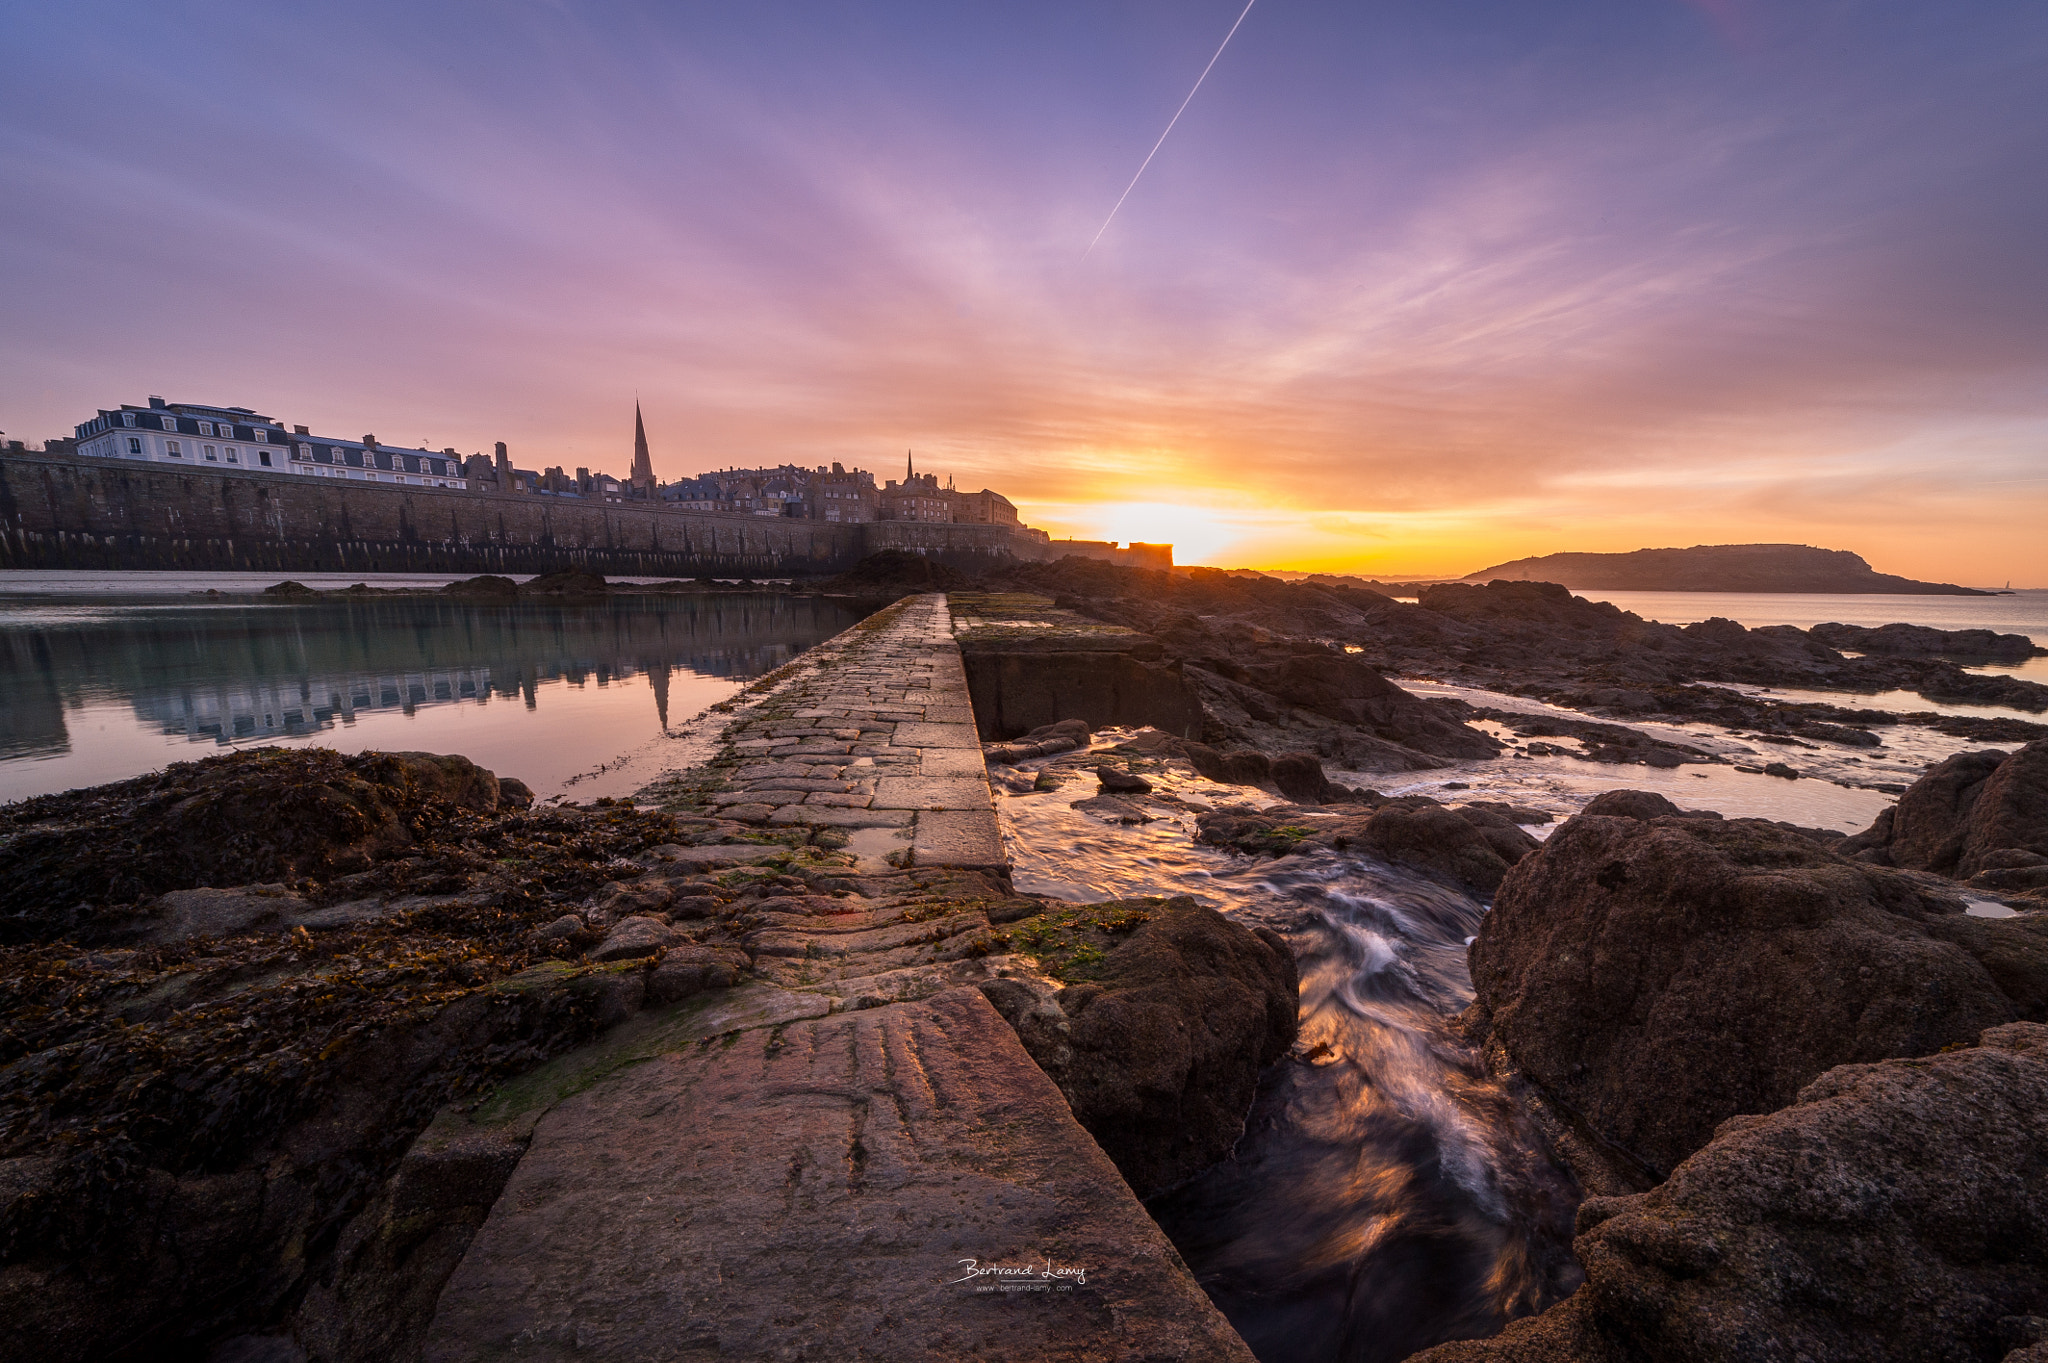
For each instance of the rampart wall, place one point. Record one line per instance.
(59, 511)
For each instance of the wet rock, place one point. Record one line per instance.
(566, 582)
(1780, 769)
(75, 864)
(1977, 645)
(1661, 976)
(641, 898)
(206, 912)
(634, 938)
(1065, 736)
(1470, 847)
(561, 929)
(1165, 1038)
(1631, 804)
(1891, 1213)
(514, 793)
(488, 586)
(1120, 782)
(688, 971)
(693, 906)
(1962, 813)
(1115, 807)
(1300, 777)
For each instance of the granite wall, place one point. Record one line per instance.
(69, 512)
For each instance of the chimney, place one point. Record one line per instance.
(504, 460)
(156, 402)
(836, 468)
(370, 442)
(300, 430)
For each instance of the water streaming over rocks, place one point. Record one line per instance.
(1387, 1194)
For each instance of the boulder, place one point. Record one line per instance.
(489, 586)
(1892, 1213)
(1661, 976)
(1631, 804)
(1964, 812)
(1471, 847)
(634, 938)
(688, 971)
(264, 815)
(1300, 778)
(1923, 641)
(207, 912)
(1120, 782)
(1164, 1039)
(1044, 741)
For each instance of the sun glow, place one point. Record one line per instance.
(1198, 534)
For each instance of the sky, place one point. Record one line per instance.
(1412, 288)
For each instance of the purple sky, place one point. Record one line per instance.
(1412, 287)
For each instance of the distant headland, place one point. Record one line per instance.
(1718, 568)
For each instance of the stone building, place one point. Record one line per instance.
(917, 498)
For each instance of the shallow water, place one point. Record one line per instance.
(1387, 1195)
(103, 687)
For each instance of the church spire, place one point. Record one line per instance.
(643, 465)
(909, 469)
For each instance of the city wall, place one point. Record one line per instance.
(60, 511)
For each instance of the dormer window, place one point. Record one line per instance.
(169, 423)
(206, 428)
(127, 418)
(262, 436)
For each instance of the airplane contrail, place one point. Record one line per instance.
(1169, 126)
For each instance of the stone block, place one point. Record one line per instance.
(831, 816)
(959, 838)
(924, 735)
(931, 792)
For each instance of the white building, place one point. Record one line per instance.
(186, 433)
(369, 461)
(216, 438)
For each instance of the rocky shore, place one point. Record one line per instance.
(306, 1056)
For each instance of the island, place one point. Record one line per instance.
(1718, 568)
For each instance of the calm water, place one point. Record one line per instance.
(99, 684)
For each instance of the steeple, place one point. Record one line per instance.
(643, 465)
(909, 469)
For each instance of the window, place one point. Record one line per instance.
(264, 455)
(169, 423)
(206, 428)
(262, 436)
(305, 453)
(171, 448)
(209, 451)
(127, 418)
(233, 458)
(135, 444)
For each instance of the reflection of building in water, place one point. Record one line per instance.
(231, 713)
(247, 673)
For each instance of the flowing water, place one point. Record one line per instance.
(1387, 1194)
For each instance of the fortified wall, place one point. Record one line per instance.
(60, 511)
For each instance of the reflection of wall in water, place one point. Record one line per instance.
(232, 713)
(233, 673)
